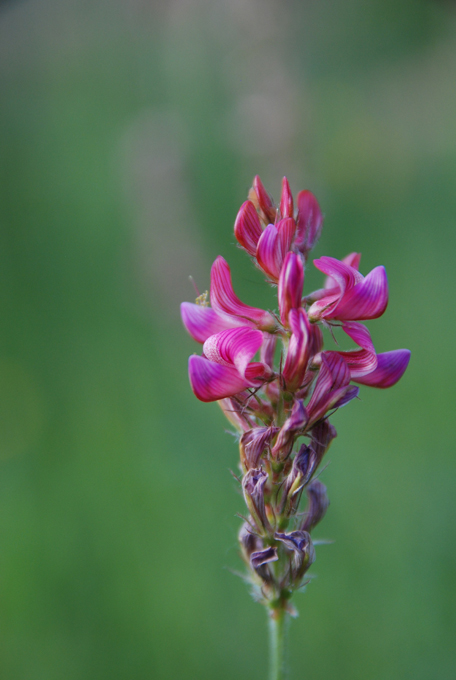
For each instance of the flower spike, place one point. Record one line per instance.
(278, 385)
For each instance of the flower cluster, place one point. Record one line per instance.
(290, 391)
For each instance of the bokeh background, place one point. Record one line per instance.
(130, 131)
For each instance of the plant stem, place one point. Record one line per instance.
(277, 634)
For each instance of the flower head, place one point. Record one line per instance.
(275, 381)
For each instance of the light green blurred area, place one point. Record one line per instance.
(130, 131)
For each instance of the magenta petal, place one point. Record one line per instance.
(360, 361)
(333, 376)
(211, 381)
(269, 253)
(391, 367)
(224, 299)
(309, 221)
(347, 394)
(344, 276)
(299, 347)
(286, 201)
(202, 322)
(367, 300)
(353, 260)
(233, 346)
(247, 227)
(291, 282)
(286, 229)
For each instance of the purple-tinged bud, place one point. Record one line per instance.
(291, 282)
(261, 557)
(262, 201)
(296, 422)
(304, 465)
(249, 542)
(286, 201)
(318, 504)
(322, 435)
(300, 543)
(253, 443)
(309, 221)
(253, 487)
(247, 227)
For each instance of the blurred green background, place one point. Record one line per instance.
(130, 131)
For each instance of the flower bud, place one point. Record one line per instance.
(253, 487)
(296, 422)
(318, 504)
(286, 201)
(304, 465)
(248, 541)
(309, 222)
(262, 201)
(300, 544)
(253, 443)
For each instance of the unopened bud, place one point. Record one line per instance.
(262, 201)
(286, 201)
(253, 487)
(300, 544)
(253, 443)
(292, 425)
(309, 221)
(248, 541)
(318, 504)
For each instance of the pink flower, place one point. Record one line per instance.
(225, 301)
(226, 368)
(354, 297)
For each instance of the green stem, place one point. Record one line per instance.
(277, 634)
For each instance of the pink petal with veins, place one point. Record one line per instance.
(291, 282)
(363, 361)
(286, 201)
(309, 221)
(211, 381)
(391, 367)
(265, 202)
(298, 352)
(334, 375)
(234, 346)
(367, 300)
(202, 322)
(247, 227)
(353, 260)
(224, 299)
(268, 253)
